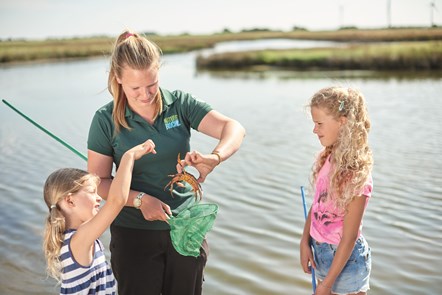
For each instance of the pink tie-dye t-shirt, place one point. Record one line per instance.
(326, 220)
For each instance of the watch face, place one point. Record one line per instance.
(137, 203)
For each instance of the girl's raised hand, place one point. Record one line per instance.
(142, 149)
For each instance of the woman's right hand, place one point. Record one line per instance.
(154, 209)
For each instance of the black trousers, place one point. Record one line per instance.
(145, 262)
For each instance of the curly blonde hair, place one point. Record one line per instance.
(136, 52)
(58, 185)
(350, 155)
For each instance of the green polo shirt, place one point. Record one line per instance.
(171, 134)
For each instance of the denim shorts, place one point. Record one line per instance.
(355, 276)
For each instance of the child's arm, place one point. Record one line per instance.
(101, 165)
(352, 221)
(83, 240)
(306, 253)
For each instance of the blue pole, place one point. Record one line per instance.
(305, 215)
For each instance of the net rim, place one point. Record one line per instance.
(213, 209)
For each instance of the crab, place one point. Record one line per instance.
(186, 177)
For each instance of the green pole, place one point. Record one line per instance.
(46, 131)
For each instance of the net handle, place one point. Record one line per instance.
(305, 215)
(46, 131)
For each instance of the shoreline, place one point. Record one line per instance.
(368, 48)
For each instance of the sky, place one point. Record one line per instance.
(40, 19)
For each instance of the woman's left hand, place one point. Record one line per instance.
(203, 163)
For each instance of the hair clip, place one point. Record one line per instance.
(341, 105)
(53, 206)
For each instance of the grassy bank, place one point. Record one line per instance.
(25, 50)
(421, 55)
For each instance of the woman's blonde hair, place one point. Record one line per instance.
(58, 185)
(351, 157)
(135, 52)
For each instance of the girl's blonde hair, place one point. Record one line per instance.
(135, 52)
(58, 185)
(351, 157)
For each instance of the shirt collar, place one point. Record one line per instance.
(168, 98)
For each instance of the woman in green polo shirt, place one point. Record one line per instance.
(142, 256)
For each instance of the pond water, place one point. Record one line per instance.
(255, 240)
(268, 44)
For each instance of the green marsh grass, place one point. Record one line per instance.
(420, 55)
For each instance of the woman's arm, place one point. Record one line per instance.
(101, 165)
(230, 134)
(352, 222)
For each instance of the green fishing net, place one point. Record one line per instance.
(189, 227)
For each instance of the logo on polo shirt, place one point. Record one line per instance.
(172, 122)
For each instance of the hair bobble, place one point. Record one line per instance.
(129, 35)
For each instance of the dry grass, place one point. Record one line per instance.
(13, 51)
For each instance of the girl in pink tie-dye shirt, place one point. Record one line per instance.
(342, 185)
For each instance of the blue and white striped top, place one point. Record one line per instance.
(96, 278)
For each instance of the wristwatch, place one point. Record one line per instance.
(137, 200)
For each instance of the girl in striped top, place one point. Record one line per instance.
(74, 255)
